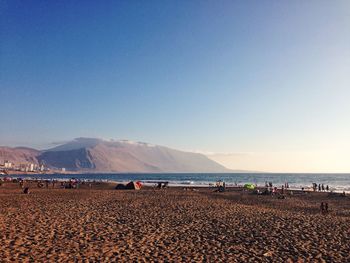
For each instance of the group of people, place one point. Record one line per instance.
(25, 184)
(270, 189)
(320, 187)
(40, 183)
(70, 184)
(268, 184)
(161, 185)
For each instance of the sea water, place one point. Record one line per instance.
(336, 182)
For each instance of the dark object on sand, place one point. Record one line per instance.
(70, 185)
(26, 190)
(331, 193)
(129, 186)
(324, 208)
(221, 186)
(161, 185)
(120, 187)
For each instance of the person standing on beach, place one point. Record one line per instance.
(327, 188)
(322, 187)
(319, 187)
(26, 190)
(322, 207)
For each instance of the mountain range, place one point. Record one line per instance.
(97, 155)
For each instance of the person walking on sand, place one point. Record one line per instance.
(322, 207)
(322, 187)
(327, 188)
(319, 187)
(26, 190)
(326, 207)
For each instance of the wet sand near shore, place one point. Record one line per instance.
(106, 225)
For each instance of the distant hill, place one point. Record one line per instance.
(19, 155)
(96, 155)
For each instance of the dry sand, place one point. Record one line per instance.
(105, 225)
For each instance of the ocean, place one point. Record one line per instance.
(337, 182)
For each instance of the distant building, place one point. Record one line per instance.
(22, 167)
(31, 167)
(63, 169)
(42, 168)
(8, 165)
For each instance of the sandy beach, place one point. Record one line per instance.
(173, 225)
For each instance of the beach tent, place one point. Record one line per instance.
(249, 186)
(120, 187)
(134, 185)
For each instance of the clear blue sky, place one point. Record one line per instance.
(216, 76)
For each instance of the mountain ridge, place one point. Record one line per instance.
(97, 155)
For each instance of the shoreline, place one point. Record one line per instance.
(186, 183)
